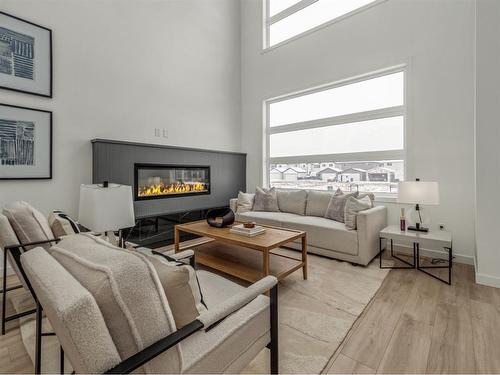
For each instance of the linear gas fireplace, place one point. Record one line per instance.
(153, 181)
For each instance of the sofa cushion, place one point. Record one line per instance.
(325, 233)
(317, 203)
(266, 218)
(336, 207)
(245, 202)
(265, 200)
(181, 288)
(29, 224)
(352, 207)
(236, 340)
(292, 201)
(128, 292)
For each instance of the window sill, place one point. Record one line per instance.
(386, 199)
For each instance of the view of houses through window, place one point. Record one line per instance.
(348, 134)
(370, 176)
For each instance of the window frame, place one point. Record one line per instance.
(401, 110)
(269, 20)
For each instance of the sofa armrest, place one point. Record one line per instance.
(212, 316)
(370, 222)
(233, 204)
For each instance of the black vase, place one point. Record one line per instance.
(227, 217)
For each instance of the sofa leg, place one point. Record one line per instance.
(274, 347)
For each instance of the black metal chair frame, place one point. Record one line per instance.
(147, 354)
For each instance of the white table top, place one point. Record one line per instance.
(437, 237)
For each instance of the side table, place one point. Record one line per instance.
(432, 239)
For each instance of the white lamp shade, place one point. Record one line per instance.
(106, 209)
(418, 192)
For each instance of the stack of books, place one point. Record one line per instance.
(248, 232)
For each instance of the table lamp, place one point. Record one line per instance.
(106, 208)
(418, 193)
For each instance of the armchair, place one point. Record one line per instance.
(238, 324)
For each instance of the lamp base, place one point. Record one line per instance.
(418, 229)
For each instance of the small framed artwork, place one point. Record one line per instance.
(25, 56)
(25, 143)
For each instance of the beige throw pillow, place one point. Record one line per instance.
(29, 224)
(293, 201)
(61, 224)
(265, 200)
(336, 207)
(245, 202)
(181, 287)
(352, 207)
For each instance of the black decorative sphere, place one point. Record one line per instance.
(227, 217)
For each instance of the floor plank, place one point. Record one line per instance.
(486, 333)
(408, 349)
(369, 339)
(346, 365)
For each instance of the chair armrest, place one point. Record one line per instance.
(233, 204)
(182, 255)
(23, 245)
(147, 354)
(369, 224)
(236, 302)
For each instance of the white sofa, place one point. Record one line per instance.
(324, 236)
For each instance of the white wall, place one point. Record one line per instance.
(435, 37)
(123, 68)
(487, 142)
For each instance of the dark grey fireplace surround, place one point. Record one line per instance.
(114, 161)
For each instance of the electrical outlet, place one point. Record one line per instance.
(165, 133)
(157, 132)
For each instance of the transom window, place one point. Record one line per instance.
(347, 135)
(288, 18)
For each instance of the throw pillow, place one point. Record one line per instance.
(317, 203)
(61, 224)
(336, 207)
(245, 202)
(352, 207)
(369, 195)
(181, 287)
(29, 224)
(265, 200)
(293, 201)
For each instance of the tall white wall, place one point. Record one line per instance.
(487, 142)
(436, 38)
(123, 68)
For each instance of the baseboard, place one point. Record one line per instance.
(487, 280)
(458, 258)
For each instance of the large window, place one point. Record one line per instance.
(288, 18)
(347, 135)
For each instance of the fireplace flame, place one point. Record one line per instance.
(176, 188)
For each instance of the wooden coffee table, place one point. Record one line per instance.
(247, 258)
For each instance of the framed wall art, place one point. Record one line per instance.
(25, 143)
(25, 56)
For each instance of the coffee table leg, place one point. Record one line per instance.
(265, 263)
(304, 257)
(176, 240)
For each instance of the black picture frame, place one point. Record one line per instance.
(50, 93)
(49, 176)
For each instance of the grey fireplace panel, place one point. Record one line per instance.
(114, 161)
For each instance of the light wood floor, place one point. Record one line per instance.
(414, 324)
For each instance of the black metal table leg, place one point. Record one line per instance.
(4, 288)
(448, 266)
(393, 255)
